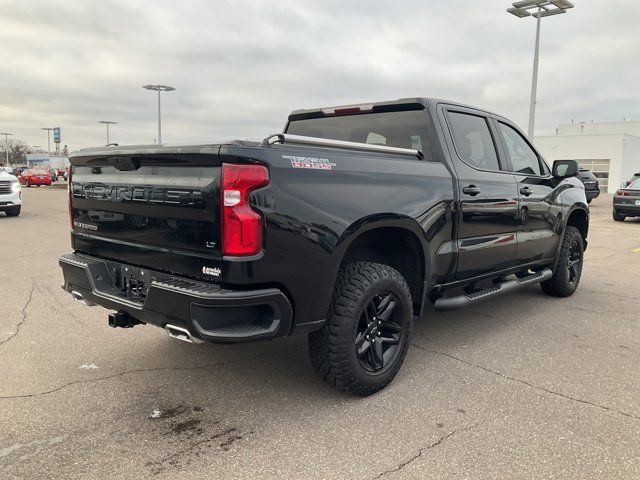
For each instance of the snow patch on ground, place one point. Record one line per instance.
(88, 366)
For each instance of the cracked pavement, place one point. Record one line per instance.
(8, 336)
(522, 386)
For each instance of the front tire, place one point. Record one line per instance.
(365, 340)
(566, 276)
(617, 217)
(13, 212)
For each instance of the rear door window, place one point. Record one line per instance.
(473, 140)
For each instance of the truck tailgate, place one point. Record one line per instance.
(156, 208)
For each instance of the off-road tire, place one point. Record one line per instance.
(332, 349)
(13, 212)
(560, 285)
(618, 217)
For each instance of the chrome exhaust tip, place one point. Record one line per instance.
(180, 333)
(77, 296)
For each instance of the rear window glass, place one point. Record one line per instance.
(635, 185)
(406, 129)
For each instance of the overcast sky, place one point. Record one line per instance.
(240, 66)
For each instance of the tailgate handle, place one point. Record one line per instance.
(124, 164)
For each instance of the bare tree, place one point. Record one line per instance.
(17, 151)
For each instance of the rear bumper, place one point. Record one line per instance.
(627, 209)
(37, 182)
(208, 312)
(591, 194)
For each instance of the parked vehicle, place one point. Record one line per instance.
(52, 172)
(626, 202)
(10, 194)
(634, 177)
(58, 163)
(33, 177)
(590, 182)
(342, 228)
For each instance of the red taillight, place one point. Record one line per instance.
(241, 225)
(622, 193)
(70, 197)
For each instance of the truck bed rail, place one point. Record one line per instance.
(326, 142)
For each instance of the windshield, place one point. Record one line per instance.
(406, 129)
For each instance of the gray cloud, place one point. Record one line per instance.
(240, 66)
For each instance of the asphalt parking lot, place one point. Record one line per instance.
(522, 386)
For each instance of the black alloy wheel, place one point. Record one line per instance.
(379, 332)
(574, 265)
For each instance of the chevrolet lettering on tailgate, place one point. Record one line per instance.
(142, 194)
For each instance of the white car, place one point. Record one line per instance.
(10, 194)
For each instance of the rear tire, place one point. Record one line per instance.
(365, 340)
(13, 212)
(617, 217)
(566, 276)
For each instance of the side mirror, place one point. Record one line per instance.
(565, 168)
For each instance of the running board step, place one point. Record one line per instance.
(451, 303)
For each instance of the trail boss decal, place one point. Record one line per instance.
(310, 162)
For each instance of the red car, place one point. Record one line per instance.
(34, 177)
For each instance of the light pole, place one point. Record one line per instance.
(107, 123)
(48, 129)
(540, 8)
(159, 88)
(6, 145)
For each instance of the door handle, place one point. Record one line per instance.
(471, 190)
(526, 191)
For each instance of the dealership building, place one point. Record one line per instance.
(610, 150)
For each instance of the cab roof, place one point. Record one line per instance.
(402, 104)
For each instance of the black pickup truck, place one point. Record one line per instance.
(341, 228)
